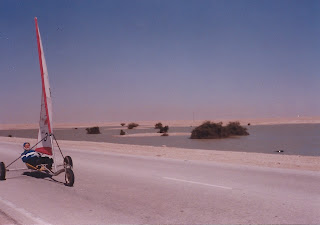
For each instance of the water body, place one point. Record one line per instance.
(293, 139)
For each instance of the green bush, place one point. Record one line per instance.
(158, 126)
(122, 132)
(210, 130)
(93, 130)
(123, 124)
(132, 125)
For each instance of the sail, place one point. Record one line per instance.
(45, 124)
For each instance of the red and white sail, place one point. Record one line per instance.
(45, 124)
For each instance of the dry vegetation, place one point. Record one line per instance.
(210, 130)
(132, 125)
(93, 130)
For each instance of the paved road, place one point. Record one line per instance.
(112, 188)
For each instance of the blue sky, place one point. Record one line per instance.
(161, 60)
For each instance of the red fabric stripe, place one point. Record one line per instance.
(42, 75)
(44, 150)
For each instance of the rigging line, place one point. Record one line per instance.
(30, 149)
(57, 145)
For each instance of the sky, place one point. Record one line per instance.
(128, 60)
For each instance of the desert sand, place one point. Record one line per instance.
(311, 163)
(176, 123)
(152, 134)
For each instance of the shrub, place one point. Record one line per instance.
(93, 130)
(210, 130)
(165, 134)
(9, 135)
(122, 132)
(123, 124)
(132, 125)
(234, 128)
(164, 129)
(158, 126)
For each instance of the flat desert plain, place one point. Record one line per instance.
(298, 162)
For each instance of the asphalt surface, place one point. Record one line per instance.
(114, 188)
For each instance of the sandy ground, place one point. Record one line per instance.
(311, 163)
(177, 123)
(152, 134)
(5, 219)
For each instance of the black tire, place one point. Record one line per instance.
(2, 171)
(68, 162)
(69, 177)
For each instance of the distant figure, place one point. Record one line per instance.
(280, 151)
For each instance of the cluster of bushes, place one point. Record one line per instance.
(210, 130)
(93, 130)
(132, 125)
(162, 129)
(158, 125)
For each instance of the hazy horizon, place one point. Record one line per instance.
(161, 60)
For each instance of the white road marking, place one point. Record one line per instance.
(194, 182)
(23, 212)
